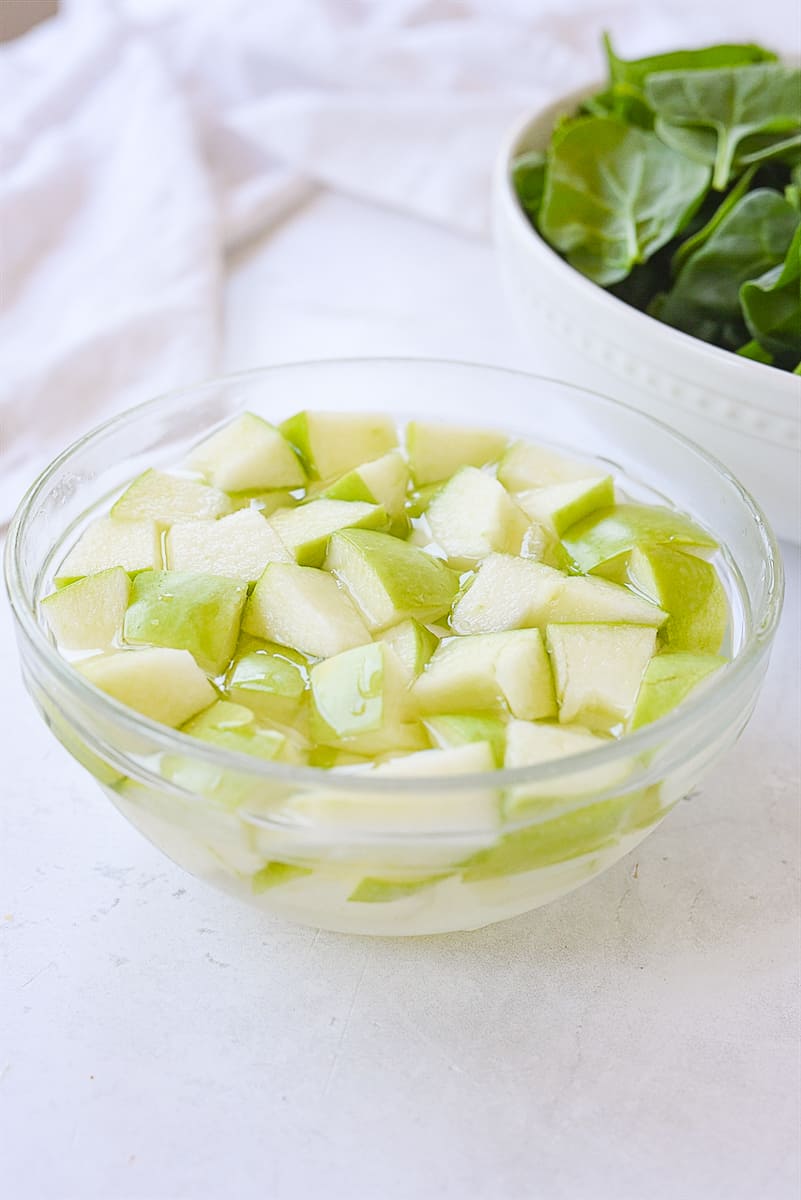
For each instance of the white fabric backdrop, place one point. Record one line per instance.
(141, 140)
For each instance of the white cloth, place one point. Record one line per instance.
(141, 140)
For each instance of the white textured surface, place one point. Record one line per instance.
(638, 1038)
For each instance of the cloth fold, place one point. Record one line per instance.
(142, 140)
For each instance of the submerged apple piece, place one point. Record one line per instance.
(165, 685)
(331, 443)
(609, 532)
(390, 580)
(88, 614)
(413, 645)
(529, 744)
(187, 611)
(438, 451)
(598, 670)
(517, 593)
(497, 672)
(302, 607)
(689, 588)
(377, 890)
(270, 679)
(234, 727)
(559, 505)
(358, 700)
(526, 465)
(156, 496)
(132, 545)
(668, 680)
(460, 729)
(247, 454)
(305, 530)
(238, 546)
(472, 515)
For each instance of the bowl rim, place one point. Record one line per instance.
(667, 729)
(716, 356)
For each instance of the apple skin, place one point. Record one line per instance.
(690, 590)
(412, 643)
(668, 680)
(187, 611)
(357, 702)
(305, 530)
(459, 729)
(270, 679)
(609, 532)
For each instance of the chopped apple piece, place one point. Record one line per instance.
(186, 611)
(331, 443)
(248, 453)
(265, 503)
(271, 680)
(302, 607)
(358, 701)
(598, 670)
(305, 530)
(238, 546)
(668, 680)
(383, 481)
(529, 744)
(560, 505)
(459, 729)
(438, 451)
(234, 727)
(157, 496)
(690, 590)
(165, 685)
(506, 672)
(472, 515)
(390, 580)
(132, 545)
(609, 532)
(88, 614)
(526, 465)
(413, 644)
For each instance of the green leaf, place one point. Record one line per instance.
(635, 71)
(381, 891)
(615, 194)
(707, 114)
(754, 351)
(751, 239)
(772, 305)
(528, 177)
(702, 236)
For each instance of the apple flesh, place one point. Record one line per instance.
(413, 645)
(602, 537)
(238, 546)
(598, 670)
(156, 496)
(303, 608)
(132, 545)
(234, 727)
(383, 481)
(186, 611)
(438, 451)
(165, 685)
(472, 516)
(332, 443)
(88, 614)
(560, 505)
(449, 730)
(668, 680)
(271, 680)
(689, 589)
(526, 465)
(246, 454)
(305, 530)
(529, 744)
(358, 702)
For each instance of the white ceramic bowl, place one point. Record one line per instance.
(747, 414)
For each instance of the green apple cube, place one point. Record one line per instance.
(377, 890)
(187, 611)
(88, 614)
(331, 443)
(303, 608)
(668, 680)
(526, 465)
(238, 546)
(689, 588)
(305, 530)
(496, 672)
(529, 744)
(273, 874)
(413, 645)
(248, 453)
(559, 505)
(156, 496)
(438, 451)
(265, 503)
(390, 580)
(358, 700)
(383, 481)
(165, 685)
(472, 516)
(598, 670)
(609, 532)
(449, 730)
(271, 680)
(132, 545)
(517, 593)
(234, 727)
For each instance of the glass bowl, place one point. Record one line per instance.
(395, 856)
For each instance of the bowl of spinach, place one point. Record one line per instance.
(654, 222)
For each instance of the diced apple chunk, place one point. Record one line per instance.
(526, 465)
(358, 701)
(234, 727)
(165, 685)
(492, 672)
(438, 451)
(331, 443)
(529, 744)
(598, 670)
(383, 481)
(609, 532)
(689, 589)
(472, 516)
(560, 505)
(248, 453)
(238, 546)
(668, 680)
(88, 614)
(303, 608)
(390, 580)
(449, 730)
(413, 644)
(166, 499)
(271, 680)
(187, 611)
(305, 530)
(132, 545)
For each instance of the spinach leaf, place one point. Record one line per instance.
(635, 71)
(707, 114)
(754, 351)
(698, 239)
(751, 239)
(528, 177)
(615, 194)
(771, 305)
(792, 192)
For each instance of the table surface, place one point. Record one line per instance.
(637, 1038)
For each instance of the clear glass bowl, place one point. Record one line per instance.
(406, 856)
